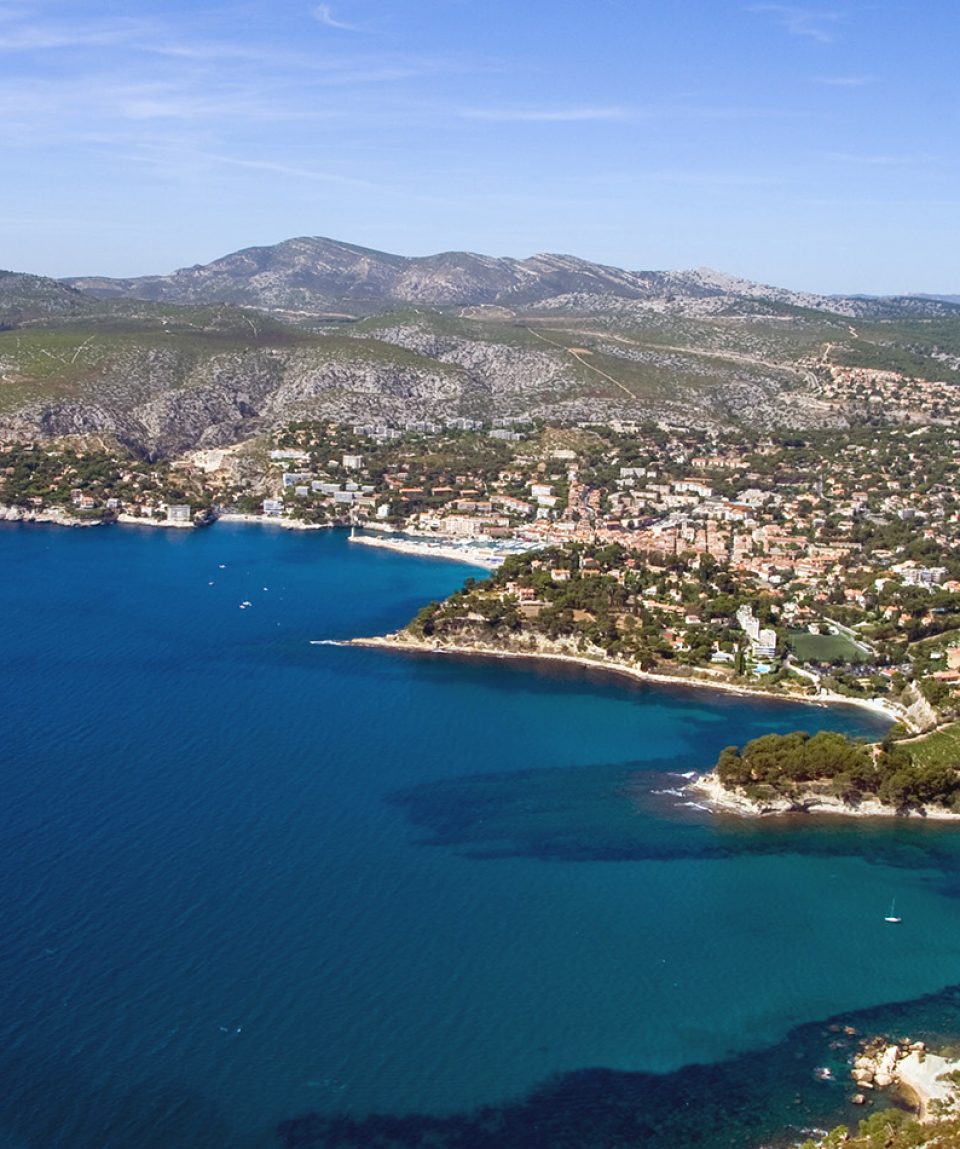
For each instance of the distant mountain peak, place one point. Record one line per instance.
(319, 274)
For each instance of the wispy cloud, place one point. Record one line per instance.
(845, 81)
(294, 172)
(885, 204)
(25, 35)
(180, 160)
(617, 113)
(717, 179)
(324, 14)
(879, 160)
(806, 22)
(544, 115)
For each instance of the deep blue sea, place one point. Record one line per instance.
(258, 892)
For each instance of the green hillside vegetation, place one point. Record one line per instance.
(942, 334)
(68, 358)
(907, 346)
(496, 330)
(941, 748)
(656, 360)
(27, 298)
(627, 378)
(759, 337)
(784, 765)
(590, 596)
(892, 1129)
(911, 346)
(27, 474)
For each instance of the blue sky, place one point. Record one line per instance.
(811, 147)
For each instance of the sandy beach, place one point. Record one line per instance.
(921, 1074)
(271, 521)
(146, 521)
(425, 548)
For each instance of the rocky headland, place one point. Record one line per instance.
(59, 518)
(708, 789)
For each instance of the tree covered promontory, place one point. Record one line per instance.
(785, 765)
(646, 610)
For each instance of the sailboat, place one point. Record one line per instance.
(892, 916)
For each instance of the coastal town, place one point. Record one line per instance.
(822, 567)
(819, 563)
(480, 565)
(816, 566)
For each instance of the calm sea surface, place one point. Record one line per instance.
(247, 878)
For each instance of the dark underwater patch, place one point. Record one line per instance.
(768, 1097)
(632, 812)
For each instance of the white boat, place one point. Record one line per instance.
(892, 916)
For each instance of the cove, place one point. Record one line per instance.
(248, 878)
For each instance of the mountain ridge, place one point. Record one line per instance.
(314, 328)
(319, 275)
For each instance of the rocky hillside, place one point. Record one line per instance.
(550, 337)
(317, 276)
(26, 298)
(164, 381)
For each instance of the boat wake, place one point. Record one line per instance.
(325, 642)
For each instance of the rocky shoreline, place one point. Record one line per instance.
(706, 788)
(9, 514)
(709, 789)
(909, 1067)
(546, 650)
(12, 514)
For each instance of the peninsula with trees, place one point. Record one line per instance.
(678, 475)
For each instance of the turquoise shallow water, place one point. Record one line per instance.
(247, 878)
